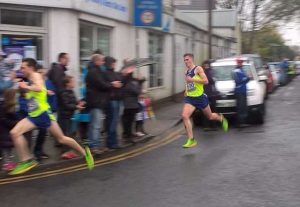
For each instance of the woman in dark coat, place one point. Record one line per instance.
(131, 91)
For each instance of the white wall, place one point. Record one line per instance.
(63, 35)
(165, 90)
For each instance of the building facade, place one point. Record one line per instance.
(43, 29)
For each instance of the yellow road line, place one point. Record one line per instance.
(171, 137)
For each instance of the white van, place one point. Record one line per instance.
(256, 88)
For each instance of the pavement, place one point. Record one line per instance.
(167, 115)
(257, 166)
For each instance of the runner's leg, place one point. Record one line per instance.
(211, 116)
(20, 142)
(187, 111)
(56, 131)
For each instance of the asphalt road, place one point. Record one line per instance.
(258, 166)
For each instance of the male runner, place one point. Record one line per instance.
(196, 98)
(39, 116)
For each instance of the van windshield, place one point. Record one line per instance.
(224, 73)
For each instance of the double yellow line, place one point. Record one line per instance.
(148, 147)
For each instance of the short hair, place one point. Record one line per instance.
(206, 62)
(30, 63)
(98, 51)
(61, 55)
(67, 79)
(39, 67)
(109, 61)
(96, 56)
(188, 55)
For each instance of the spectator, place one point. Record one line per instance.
(210, 91)
(241, 79)
(56, 74)
(131, 92)
(8, 119)
(57, 71)
(145, 112)
(69, 104)
(113, 108)
(284, 66)
(98, 93)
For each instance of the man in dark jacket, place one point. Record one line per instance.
(97, 96)
(241, 79)
(113, 108)
(57, 72)
(56, 75)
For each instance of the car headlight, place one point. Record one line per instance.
(250, 92)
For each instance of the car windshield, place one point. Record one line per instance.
(273, 68)
(224, 73)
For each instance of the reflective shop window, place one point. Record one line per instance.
(18, 47)
(156, 52)
(93, 37)
(23, 18)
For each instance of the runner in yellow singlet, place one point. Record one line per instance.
(196, 98)
(39, 116)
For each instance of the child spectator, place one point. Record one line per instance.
(8, 119)
(69, 104)
(82, 118)
(145, 112)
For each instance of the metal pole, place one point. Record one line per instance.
(209, 3)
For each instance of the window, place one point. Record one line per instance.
(156, 52)
(224, 73)
(23, 18)
(93, 37)
(18, 47)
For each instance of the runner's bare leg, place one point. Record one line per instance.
(211, 116)
(187, 111)
(19, 140)
(56, 131)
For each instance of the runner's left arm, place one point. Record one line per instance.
(36, 85)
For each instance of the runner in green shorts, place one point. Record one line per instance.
(196, 98)
(39, 116)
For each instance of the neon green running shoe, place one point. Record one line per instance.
(224, 123)
(191, 142)
(89, 158)
(23, 167)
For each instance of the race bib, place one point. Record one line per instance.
(190, 87)
(32, 105)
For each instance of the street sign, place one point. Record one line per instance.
(182, 2)
(147, 13)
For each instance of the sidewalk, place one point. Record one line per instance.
(167, 116)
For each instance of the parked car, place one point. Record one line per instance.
(280, 71)
(292, 70)
(297, 67)
(275, 71)
(270, 82)
(256, 88)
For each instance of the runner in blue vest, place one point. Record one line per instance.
(196, 98)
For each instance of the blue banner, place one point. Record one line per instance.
(147, 13)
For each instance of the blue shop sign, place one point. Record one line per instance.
(147, 13)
